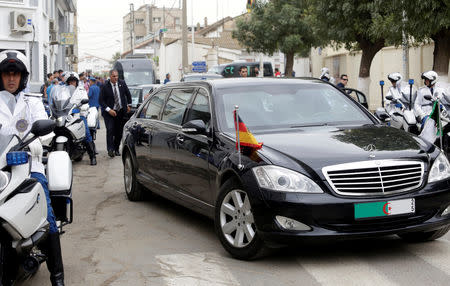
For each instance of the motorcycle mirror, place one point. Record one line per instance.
(84, 101)
(389, 97)
(428, 97)
(42, 127)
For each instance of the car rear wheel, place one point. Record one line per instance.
(422, 236)
(133, 188)
(234, 223)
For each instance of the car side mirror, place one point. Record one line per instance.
(84, 101)
(382, 115)
(158, 81)
(428, 97)
(389, 97)
(194, 127)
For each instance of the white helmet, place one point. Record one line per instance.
(70, 75)
(325, 74)
(432, 76)
(395, 77)
(15, 61)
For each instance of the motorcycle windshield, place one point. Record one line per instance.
(60, 101)
(4, 142)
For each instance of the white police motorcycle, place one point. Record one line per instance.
(401, 109)
(70, 129)
(23, 205)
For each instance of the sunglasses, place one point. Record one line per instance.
(346, 79)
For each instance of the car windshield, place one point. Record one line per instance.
(138, 77)
(265, 107)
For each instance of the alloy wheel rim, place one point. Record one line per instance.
(236, 219)
(128, 176)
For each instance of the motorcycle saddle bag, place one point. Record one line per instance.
(59, 173)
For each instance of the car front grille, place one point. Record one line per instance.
(374, 178)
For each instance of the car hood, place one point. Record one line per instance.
(315, 148)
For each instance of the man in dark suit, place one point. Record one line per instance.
(115, 100)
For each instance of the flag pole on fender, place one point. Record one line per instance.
(238, 145)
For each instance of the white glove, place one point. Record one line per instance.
(36, 151)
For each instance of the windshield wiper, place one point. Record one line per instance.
(309, 125)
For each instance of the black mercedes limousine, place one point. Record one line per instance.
(327, 168)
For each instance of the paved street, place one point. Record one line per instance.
(113, 241)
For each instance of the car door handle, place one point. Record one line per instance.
(180, 138)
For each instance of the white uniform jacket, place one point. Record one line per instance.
(27, 110)
(422, 106)
(79, 94)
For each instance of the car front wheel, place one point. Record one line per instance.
(234, 223)
(422, 236)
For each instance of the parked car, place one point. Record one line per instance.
(327, 167)
(138, 95)
(200, 76)
(232, 69)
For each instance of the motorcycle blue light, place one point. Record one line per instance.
(16, 158)
(75, 110)
(411, 81)
(381, 82)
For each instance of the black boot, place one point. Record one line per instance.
(54, 260)
(90, 148)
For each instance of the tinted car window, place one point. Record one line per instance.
(176, 105)
(154, 105)
(200, 108)
(288, 106)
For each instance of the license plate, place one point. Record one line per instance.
(383, 209)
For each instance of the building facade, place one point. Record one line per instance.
(148, 20)
(36, 28)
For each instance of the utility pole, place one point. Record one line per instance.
(184, 31)
(132, 27)
(193, 29)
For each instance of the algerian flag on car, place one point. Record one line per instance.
(430, 129)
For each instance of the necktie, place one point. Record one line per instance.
(116, 98)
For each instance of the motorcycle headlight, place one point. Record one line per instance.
(4, 180)
(284, 180)
(440, 169)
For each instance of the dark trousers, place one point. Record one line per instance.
(114, 129)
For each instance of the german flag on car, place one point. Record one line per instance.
(243, 136)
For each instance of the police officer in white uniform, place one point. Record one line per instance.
(422, 106)
(18, 112)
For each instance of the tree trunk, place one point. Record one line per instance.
(369, 50)
(289, 65)
(441, 53)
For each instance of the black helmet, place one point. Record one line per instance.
(14, 61)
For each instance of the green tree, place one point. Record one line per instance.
(366, 25)
(431, 20)
(115, 57)
(277, 25)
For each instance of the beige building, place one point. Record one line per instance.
(149, 19)
(387, 60)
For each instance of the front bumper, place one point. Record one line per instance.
(333, 217)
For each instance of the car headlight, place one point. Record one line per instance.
(440, 169)
(284, 180)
